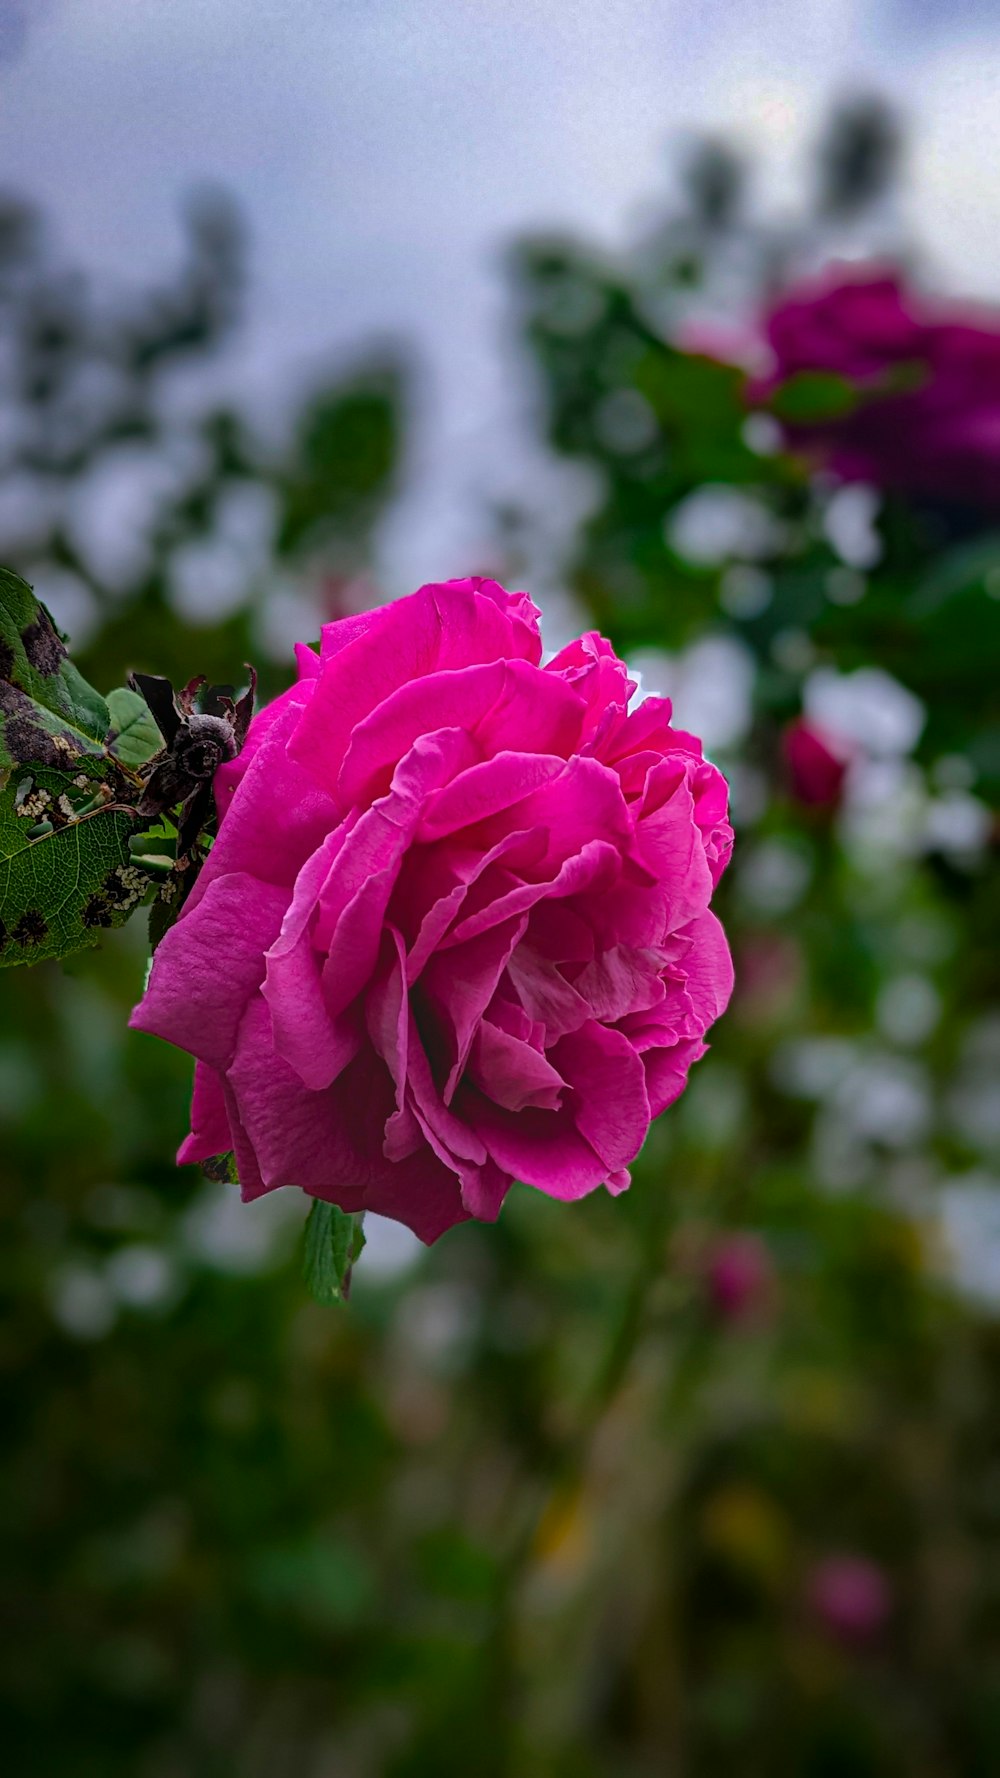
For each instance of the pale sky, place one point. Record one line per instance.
(383, 153)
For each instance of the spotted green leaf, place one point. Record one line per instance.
(66, 873)
(49, 715)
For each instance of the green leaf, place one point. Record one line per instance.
(49, 715)
(66, 873)
(333, 1240)
(348, 449)
(134, 736)
(811, 397)
(968, 567)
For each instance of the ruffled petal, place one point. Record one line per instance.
(209, 965)
(609, 1105)
(436, 628)
(210, 1132)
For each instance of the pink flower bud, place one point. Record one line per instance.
(850, 1595)
(740, 1277)
(816, 762)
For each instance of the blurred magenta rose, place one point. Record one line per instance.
(739, 1275)
(927, 417)
(816, 764)
(850, 1595)
(455, 928)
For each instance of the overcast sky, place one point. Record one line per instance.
(383, 152)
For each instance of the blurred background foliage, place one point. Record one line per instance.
(701, 1480)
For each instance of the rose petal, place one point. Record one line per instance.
(484, 1190)
(667, 1071)
(541, 1148)
(388, 1016)
(487, 789)
(620, 980)
(708, 969)
(511, 1072)
(210, 1132)
(596, 865)
(436, 628)
(501, 704)
(458, 985)
(276, 816)
(354, 899)
(452, 1140)
(609, 1091)
(422, 1193)
(330, 1142)
(209, 966)
(317, 1045)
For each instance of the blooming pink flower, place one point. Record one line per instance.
(817, 764)
(455, 928)
(928, 377)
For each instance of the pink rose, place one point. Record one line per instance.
(455, 928)
(927, 375)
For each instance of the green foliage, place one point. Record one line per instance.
(346, 451)
(62, 886)
(133, 736)
(315, 499)
(333, 1242)
(66, 870)
(48, 711)
(812, 396)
